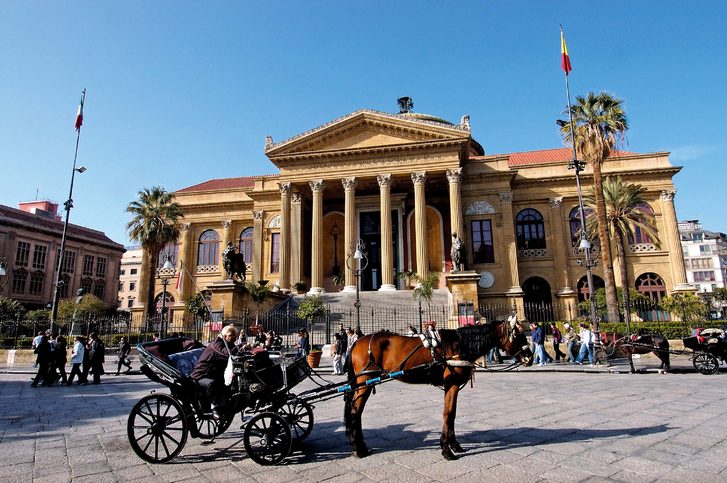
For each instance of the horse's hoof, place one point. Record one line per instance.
(457, 448)
(361, 453)
(448, 455)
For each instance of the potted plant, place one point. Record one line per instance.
(314, 357)
(299, 287)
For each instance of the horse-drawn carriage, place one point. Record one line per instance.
(709, 347)
(159, 424)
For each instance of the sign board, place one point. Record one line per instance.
(216, 317)
(465, 313)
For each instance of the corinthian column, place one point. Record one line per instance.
(676, 256)
(420, 222)
(454, 176)
(316, 283)
(387, 261)
(257, 245)
(349, 232)
(284, 275)
(184, 265)
(296, 229)
(560, 257)
(508, 236)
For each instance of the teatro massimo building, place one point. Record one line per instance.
(404, 183)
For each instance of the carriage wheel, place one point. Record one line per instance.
(208, 427)
(299, 415)
(157, 428)
(267, 438)
(706, 363)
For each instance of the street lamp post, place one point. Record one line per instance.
(360, 262)
(165, 282)
(67, 205)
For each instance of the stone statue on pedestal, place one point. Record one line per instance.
(457, 253)
(233, 262)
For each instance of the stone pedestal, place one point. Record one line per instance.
(462, 286)
(228, 296)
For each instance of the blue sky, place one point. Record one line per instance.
(180, 92)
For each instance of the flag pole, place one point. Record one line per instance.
(579, 166)
(67, 205)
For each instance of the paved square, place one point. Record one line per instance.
(527, 426)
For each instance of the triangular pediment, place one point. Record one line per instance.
(367, 129)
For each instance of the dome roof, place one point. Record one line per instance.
(418, 116)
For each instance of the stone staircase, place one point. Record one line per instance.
(398, 298)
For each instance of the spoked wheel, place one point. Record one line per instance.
(299, 415)
(157, 428)
(706, 363)
(267, 438)
(208, 427)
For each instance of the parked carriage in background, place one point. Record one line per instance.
(709, 348)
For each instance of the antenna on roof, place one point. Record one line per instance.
(36, 193)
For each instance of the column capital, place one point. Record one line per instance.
(419, 177)
(285, 188)
(317, 185)
(257, 215)
(186, 226)
(667, 195)
(296, 198)
(454, 175)
(349, 183)
(226, 223)
(555, 202)
(384, 180)
(506, 197)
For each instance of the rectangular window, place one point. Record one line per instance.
(69, 261)
(122, 272)
(132, 286)
(87, 265)
(101, 267)
(133, 271)
(36, 283)
(20, 277)
(121, 286)
(705, 249)
(99, 289)
(40, 253)
(275, 255)
(483, 250)
(704, 276)
(130, 303)
(22, 254)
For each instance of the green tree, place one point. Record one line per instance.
(635, 298)
(687, 306)
(623, 216)
(311, 307)
(197, 306)
(154, 223)
(424, 289)
(719, 298)
(88, 307)
(258, 294)
(599, 122)
(10, 309)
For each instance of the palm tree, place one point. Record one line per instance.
(154, 223)
(599, 122)
(624, 215)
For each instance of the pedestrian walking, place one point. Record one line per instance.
(344, 340)
(303, 343)
(557, 340)
(338, 351)
(123, 352)
(538, 338)
(96, 357)
(586, 345)
(77, 357)
(571, 339)
(58, 364)
(43, 359)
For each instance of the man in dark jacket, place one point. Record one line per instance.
(43, 359)
(538, 337)
(96, 357)
(209, 371)
(123, 352)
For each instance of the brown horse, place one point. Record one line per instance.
(448, 365)
(639, 344)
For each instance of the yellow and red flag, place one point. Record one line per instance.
(565, 60)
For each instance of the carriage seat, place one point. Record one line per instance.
(185, 361)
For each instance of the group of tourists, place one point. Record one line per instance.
(343, 341)
(578, 345)
(87, 357)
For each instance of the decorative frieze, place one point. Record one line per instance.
(226, 224)
(642, 247)
(317, 184)
(274, 222)
(667, 195)
(186, 226)
(480, 208)
(555, 202)
(296, 198)
(349, 183)
(454, 175)
(257, 215)
(419, 177)
(208, 268)
(532, 253)
(506, 197)
(285, 188)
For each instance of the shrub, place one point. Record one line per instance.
(311, 307)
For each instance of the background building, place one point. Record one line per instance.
(405, 183)
(705, 255)
(129, 278)
(30, 240)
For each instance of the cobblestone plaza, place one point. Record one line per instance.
(516, 426)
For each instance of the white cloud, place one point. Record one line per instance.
(692, 152)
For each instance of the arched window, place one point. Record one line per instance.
(64, 286)
(652, 286)
(99, 289)
(574, 220)
(639, 236)
(20, 278)
(530, 229)
(158, 300)
(583, 294)
(36, 283)
(86, 285)
(170, 250)
(246, 244)
(209, 248)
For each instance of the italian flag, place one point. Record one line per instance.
(79, 115)
(565, 60)
(178, 285)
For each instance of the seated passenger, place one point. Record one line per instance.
(209, 371)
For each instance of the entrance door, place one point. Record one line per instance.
(370, 224)
(538, 300)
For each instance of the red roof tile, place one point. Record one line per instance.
(549, 156)
(221, 184)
